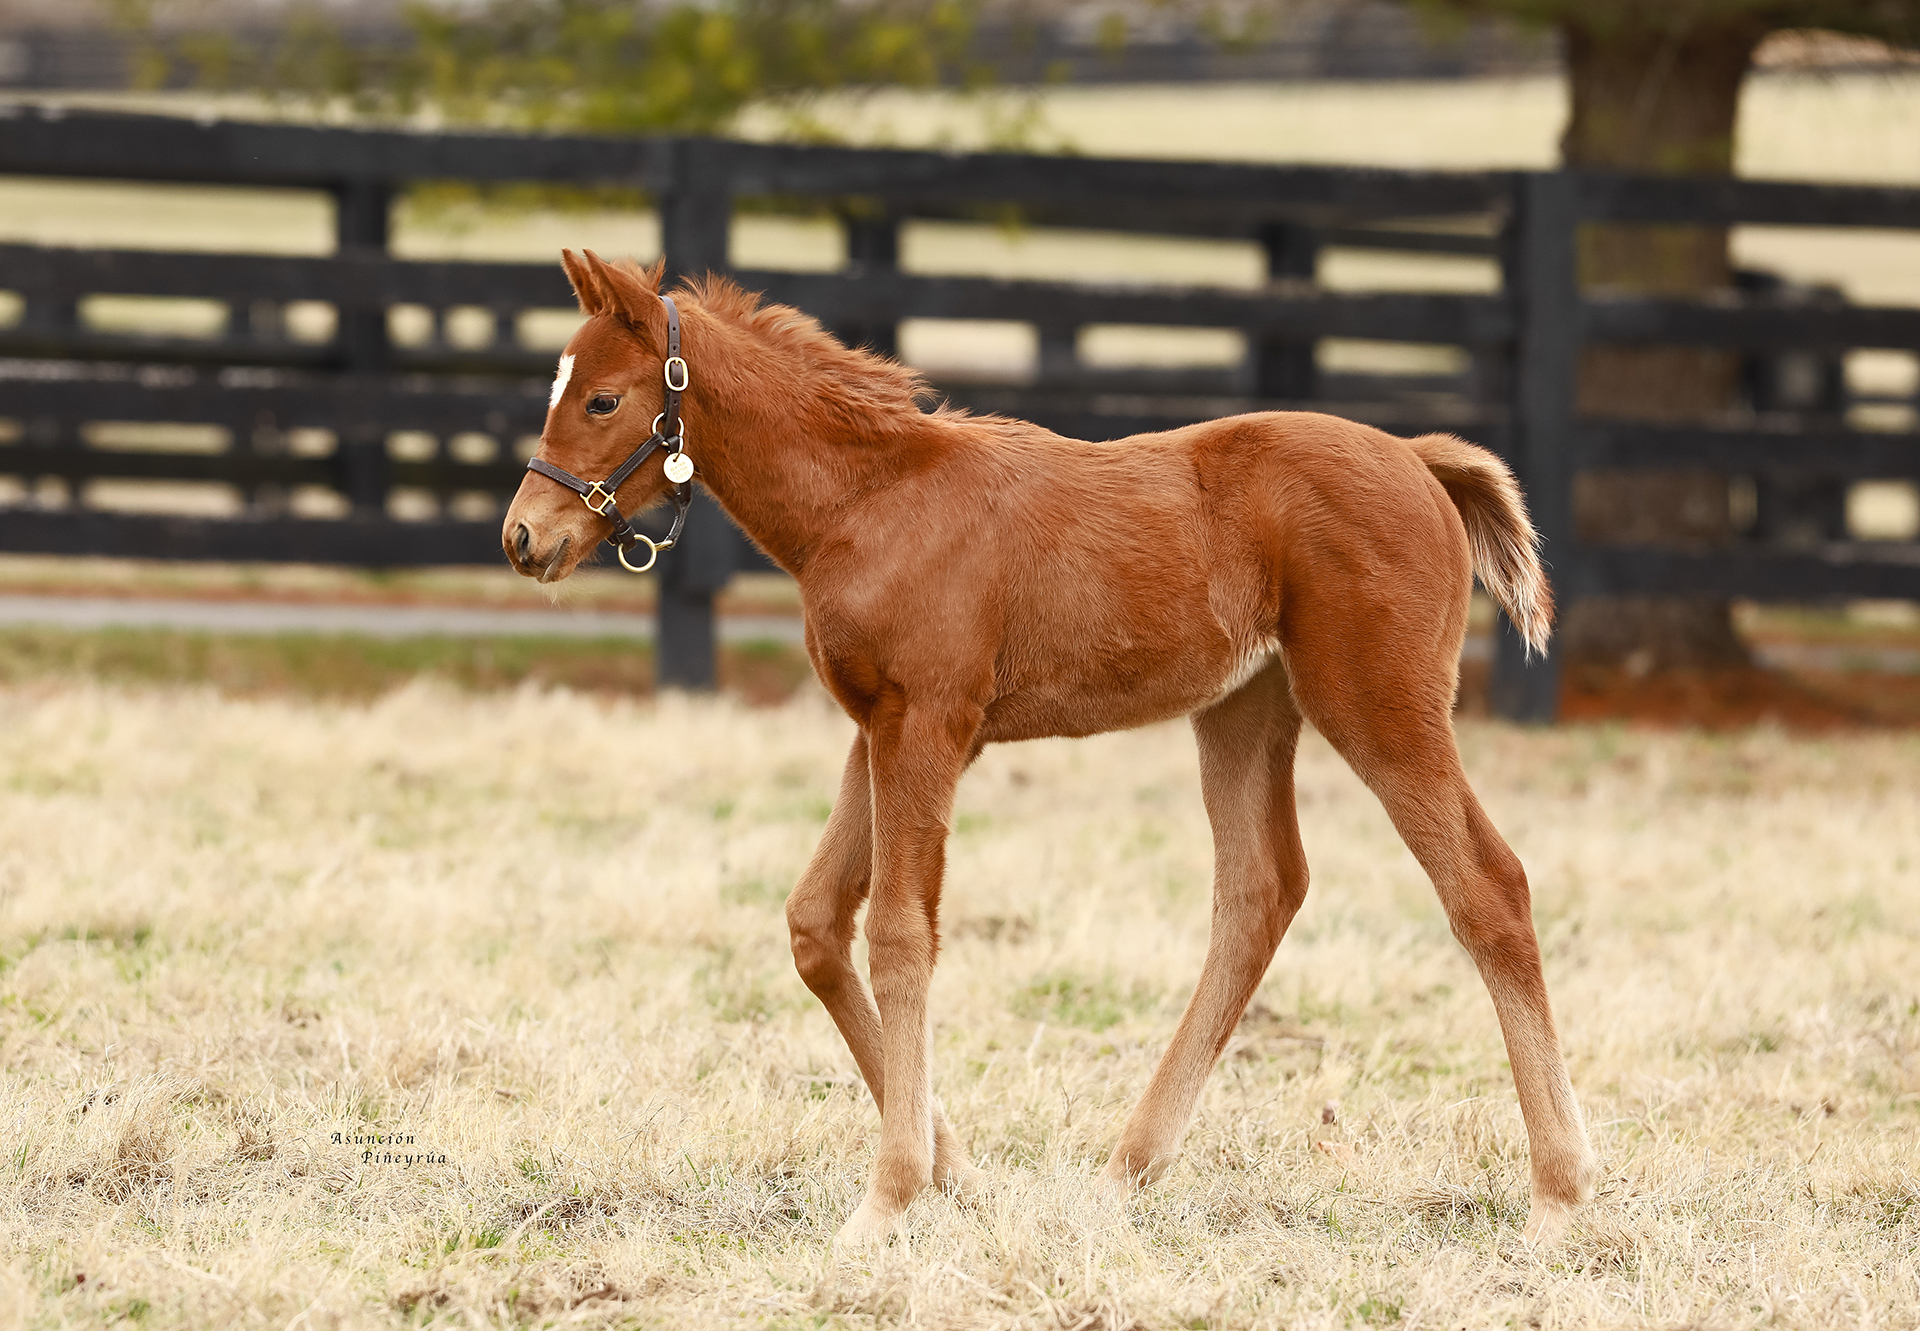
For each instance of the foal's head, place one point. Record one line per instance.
(605, 396)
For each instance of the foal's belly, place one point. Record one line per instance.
(1025, 716)
(1072, 702)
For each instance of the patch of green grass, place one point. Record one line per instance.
(732, 992)
(130, 934)
(1075, 1000)
(1379, 1310)
(753, 892)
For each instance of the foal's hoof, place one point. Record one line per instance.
(962, 1180)
(1547, 1223)
(1127, 1178)
(866, 1229)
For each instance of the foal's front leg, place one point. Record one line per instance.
(916, 755)
(820, 918)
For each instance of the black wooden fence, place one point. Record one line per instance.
(348, 416)
(1549, 442)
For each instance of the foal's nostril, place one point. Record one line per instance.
(523, 540)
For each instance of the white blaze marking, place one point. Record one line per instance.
(560, 382)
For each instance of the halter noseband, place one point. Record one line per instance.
(670, 433)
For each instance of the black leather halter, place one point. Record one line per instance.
(670, 433)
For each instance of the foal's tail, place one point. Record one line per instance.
(1504, 544)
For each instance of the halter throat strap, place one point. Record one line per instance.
(669, 433)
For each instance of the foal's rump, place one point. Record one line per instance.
(1371, 544)
(1354, 502)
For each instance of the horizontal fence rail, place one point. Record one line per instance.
(356, 445)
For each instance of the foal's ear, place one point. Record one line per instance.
(632, 293)
(587, 288)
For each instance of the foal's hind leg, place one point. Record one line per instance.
(1393, 725)
(1259, 880)
(820, 919)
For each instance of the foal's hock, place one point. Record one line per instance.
(971, 579)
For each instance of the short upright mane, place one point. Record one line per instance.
(849, 382)
(756, 349)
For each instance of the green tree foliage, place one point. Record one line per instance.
(618, 66)
(611, 66)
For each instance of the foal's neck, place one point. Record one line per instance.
(787, 426)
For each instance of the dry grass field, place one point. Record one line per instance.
(372, 1014)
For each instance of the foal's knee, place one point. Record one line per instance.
(818, 944)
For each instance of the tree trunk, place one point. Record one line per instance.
(1652, 101)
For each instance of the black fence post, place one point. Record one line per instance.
(873, 246)
(697, 210)
(691, 574)
(695, 216)
(1539, 256)
(1059, 353)
(53, 314)
(1794, 510)
(1283, 367)
(362, 220)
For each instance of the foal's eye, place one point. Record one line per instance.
(603, 404)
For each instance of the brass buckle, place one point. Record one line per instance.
(606, 499)
(666, 370)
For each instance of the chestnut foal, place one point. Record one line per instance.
(969, 579)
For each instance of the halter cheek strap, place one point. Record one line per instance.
(670, 433)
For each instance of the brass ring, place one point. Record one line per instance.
(680, 439)
(653, 553)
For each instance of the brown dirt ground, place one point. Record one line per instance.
(1799, 701)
